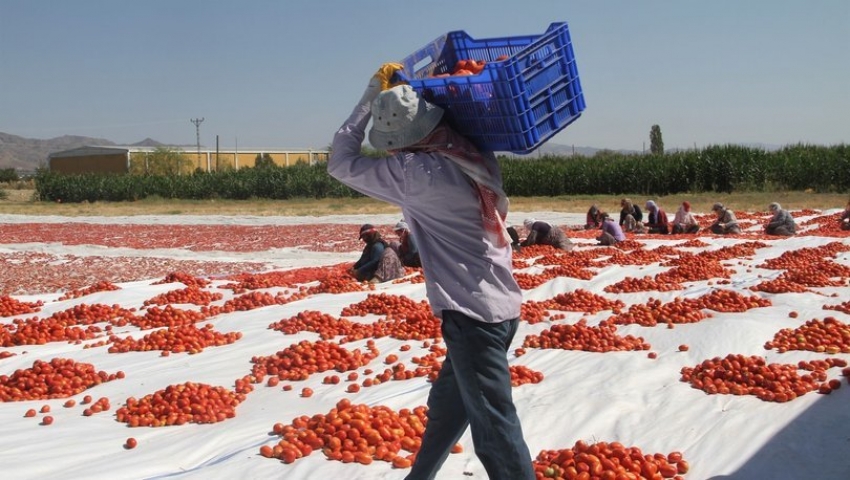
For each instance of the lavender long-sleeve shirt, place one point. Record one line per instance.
(609, 226)
(464, 269)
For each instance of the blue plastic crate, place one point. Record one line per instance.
(513, 105)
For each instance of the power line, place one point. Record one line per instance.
(198, 122)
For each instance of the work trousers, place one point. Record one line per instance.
(474, 389)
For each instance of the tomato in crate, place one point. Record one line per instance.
(525, 91)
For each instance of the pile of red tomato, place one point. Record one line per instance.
(610, 460)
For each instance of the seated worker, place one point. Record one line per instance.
(543, 233)
(782, 223)
(844, 221)
(377, 263)
(593, 222)
(631, 218)
(726, 223)
(684, 221)
(611, 231)
(516, 245)
(405, 248)
(656, 220)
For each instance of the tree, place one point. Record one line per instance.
(264, 161)
(164, 161)
(604, 153)
(656, 144)
(8, 175)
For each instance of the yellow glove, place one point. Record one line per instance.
(380, 81)
(385, 75)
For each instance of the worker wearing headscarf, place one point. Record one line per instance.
(781, 223)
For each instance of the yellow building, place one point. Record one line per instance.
(116, 159)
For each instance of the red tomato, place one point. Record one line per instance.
(674, 457)
(460, 65)
(476, 66)
(288, 455)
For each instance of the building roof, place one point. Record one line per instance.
(88, 151)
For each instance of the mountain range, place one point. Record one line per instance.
(28, 154)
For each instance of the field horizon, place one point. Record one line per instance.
(21, 202)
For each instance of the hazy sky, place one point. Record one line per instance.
(285, 74)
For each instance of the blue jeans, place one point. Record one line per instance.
(474, 389)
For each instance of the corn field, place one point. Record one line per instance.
(725, 169)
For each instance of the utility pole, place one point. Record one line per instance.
(198, 122)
